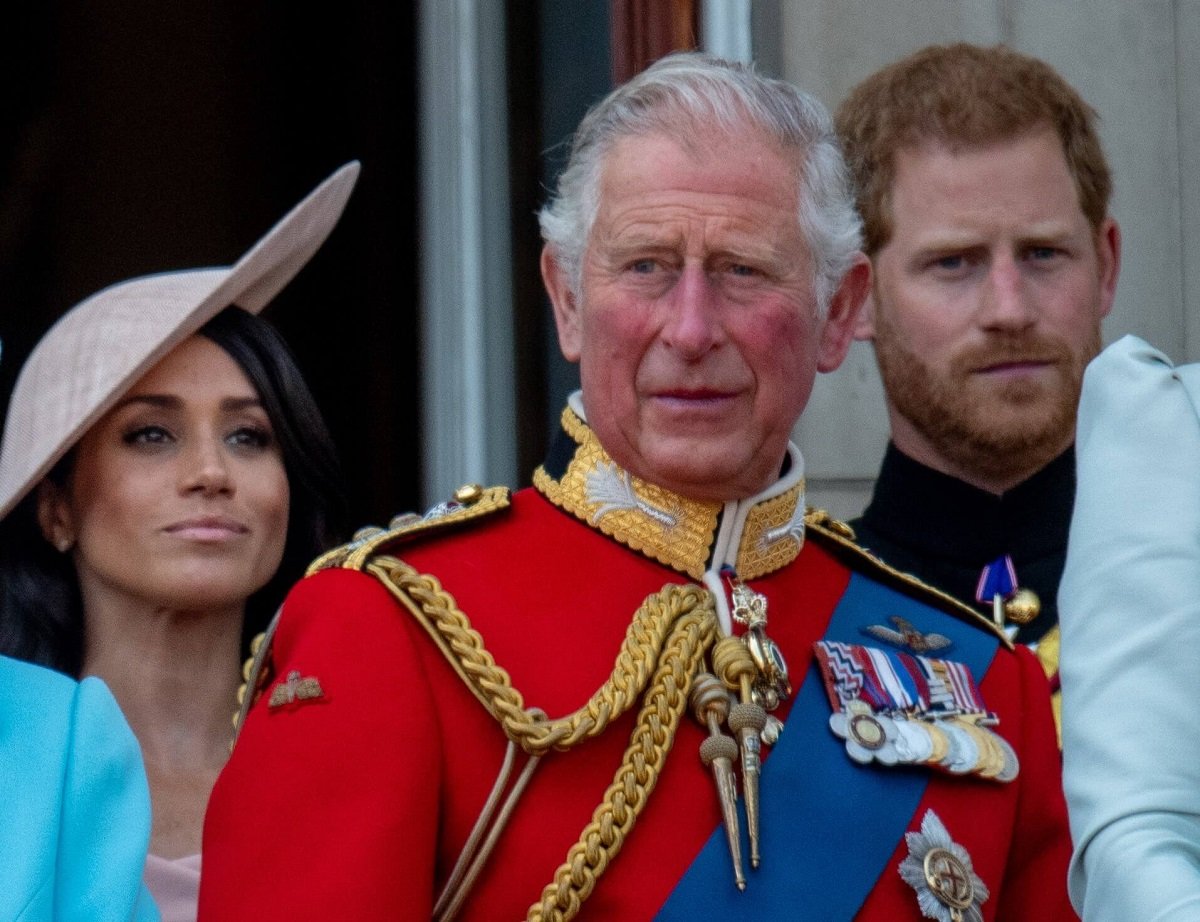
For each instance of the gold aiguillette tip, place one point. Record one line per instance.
(747, 721)
(710, 704)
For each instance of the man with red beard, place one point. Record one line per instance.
(984, 194)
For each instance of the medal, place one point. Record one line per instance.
(963, 756)
(998, 588)
(869, 737)
(940, 870)
(914, 744)
(997, 581)
(893, 708)
(941, 745)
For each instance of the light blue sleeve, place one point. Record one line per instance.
(1129, 606)
(106, 816)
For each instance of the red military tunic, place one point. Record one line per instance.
(356, 803)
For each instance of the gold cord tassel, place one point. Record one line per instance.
(710, 704)
(694, 626)
(733, 663)
(663, 650)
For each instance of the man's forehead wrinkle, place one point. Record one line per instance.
(680, 226)
(962, 234)
(660, 201)
(666, 228)
(979, 231)
(925, 225)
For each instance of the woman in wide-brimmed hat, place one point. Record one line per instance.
(165, 475)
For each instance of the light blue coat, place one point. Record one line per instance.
(74, 806)
(1129, 607)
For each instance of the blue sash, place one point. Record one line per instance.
(829, 825)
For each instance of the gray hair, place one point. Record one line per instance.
(685, 96)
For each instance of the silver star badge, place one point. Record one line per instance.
(939, 869)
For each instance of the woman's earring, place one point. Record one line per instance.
(63, 544)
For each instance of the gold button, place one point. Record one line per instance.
(1023, 607)
(468, 494)
(405, 518)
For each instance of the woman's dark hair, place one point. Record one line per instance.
(41, 612)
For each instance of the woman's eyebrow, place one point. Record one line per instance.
(172, 402)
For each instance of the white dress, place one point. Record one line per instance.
(1129, 607)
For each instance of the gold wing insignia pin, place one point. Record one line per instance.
(906, 636)
(294, 689)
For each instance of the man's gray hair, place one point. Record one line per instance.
(687, 97)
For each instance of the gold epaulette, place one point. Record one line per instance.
(838, 537)
(470, 502)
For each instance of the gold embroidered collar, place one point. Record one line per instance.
(756, 535)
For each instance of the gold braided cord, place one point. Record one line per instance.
(530, 729)
(665, 703)
(669, 636)
(665, 645)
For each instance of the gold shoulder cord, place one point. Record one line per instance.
(471, 503)
(663, 650)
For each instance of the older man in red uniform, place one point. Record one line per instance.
(651, 685)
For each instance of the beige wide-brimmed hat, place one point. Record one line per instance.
(104, 345)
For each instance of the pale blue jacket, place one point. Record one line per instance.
(74, 805)
(1129, 608)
